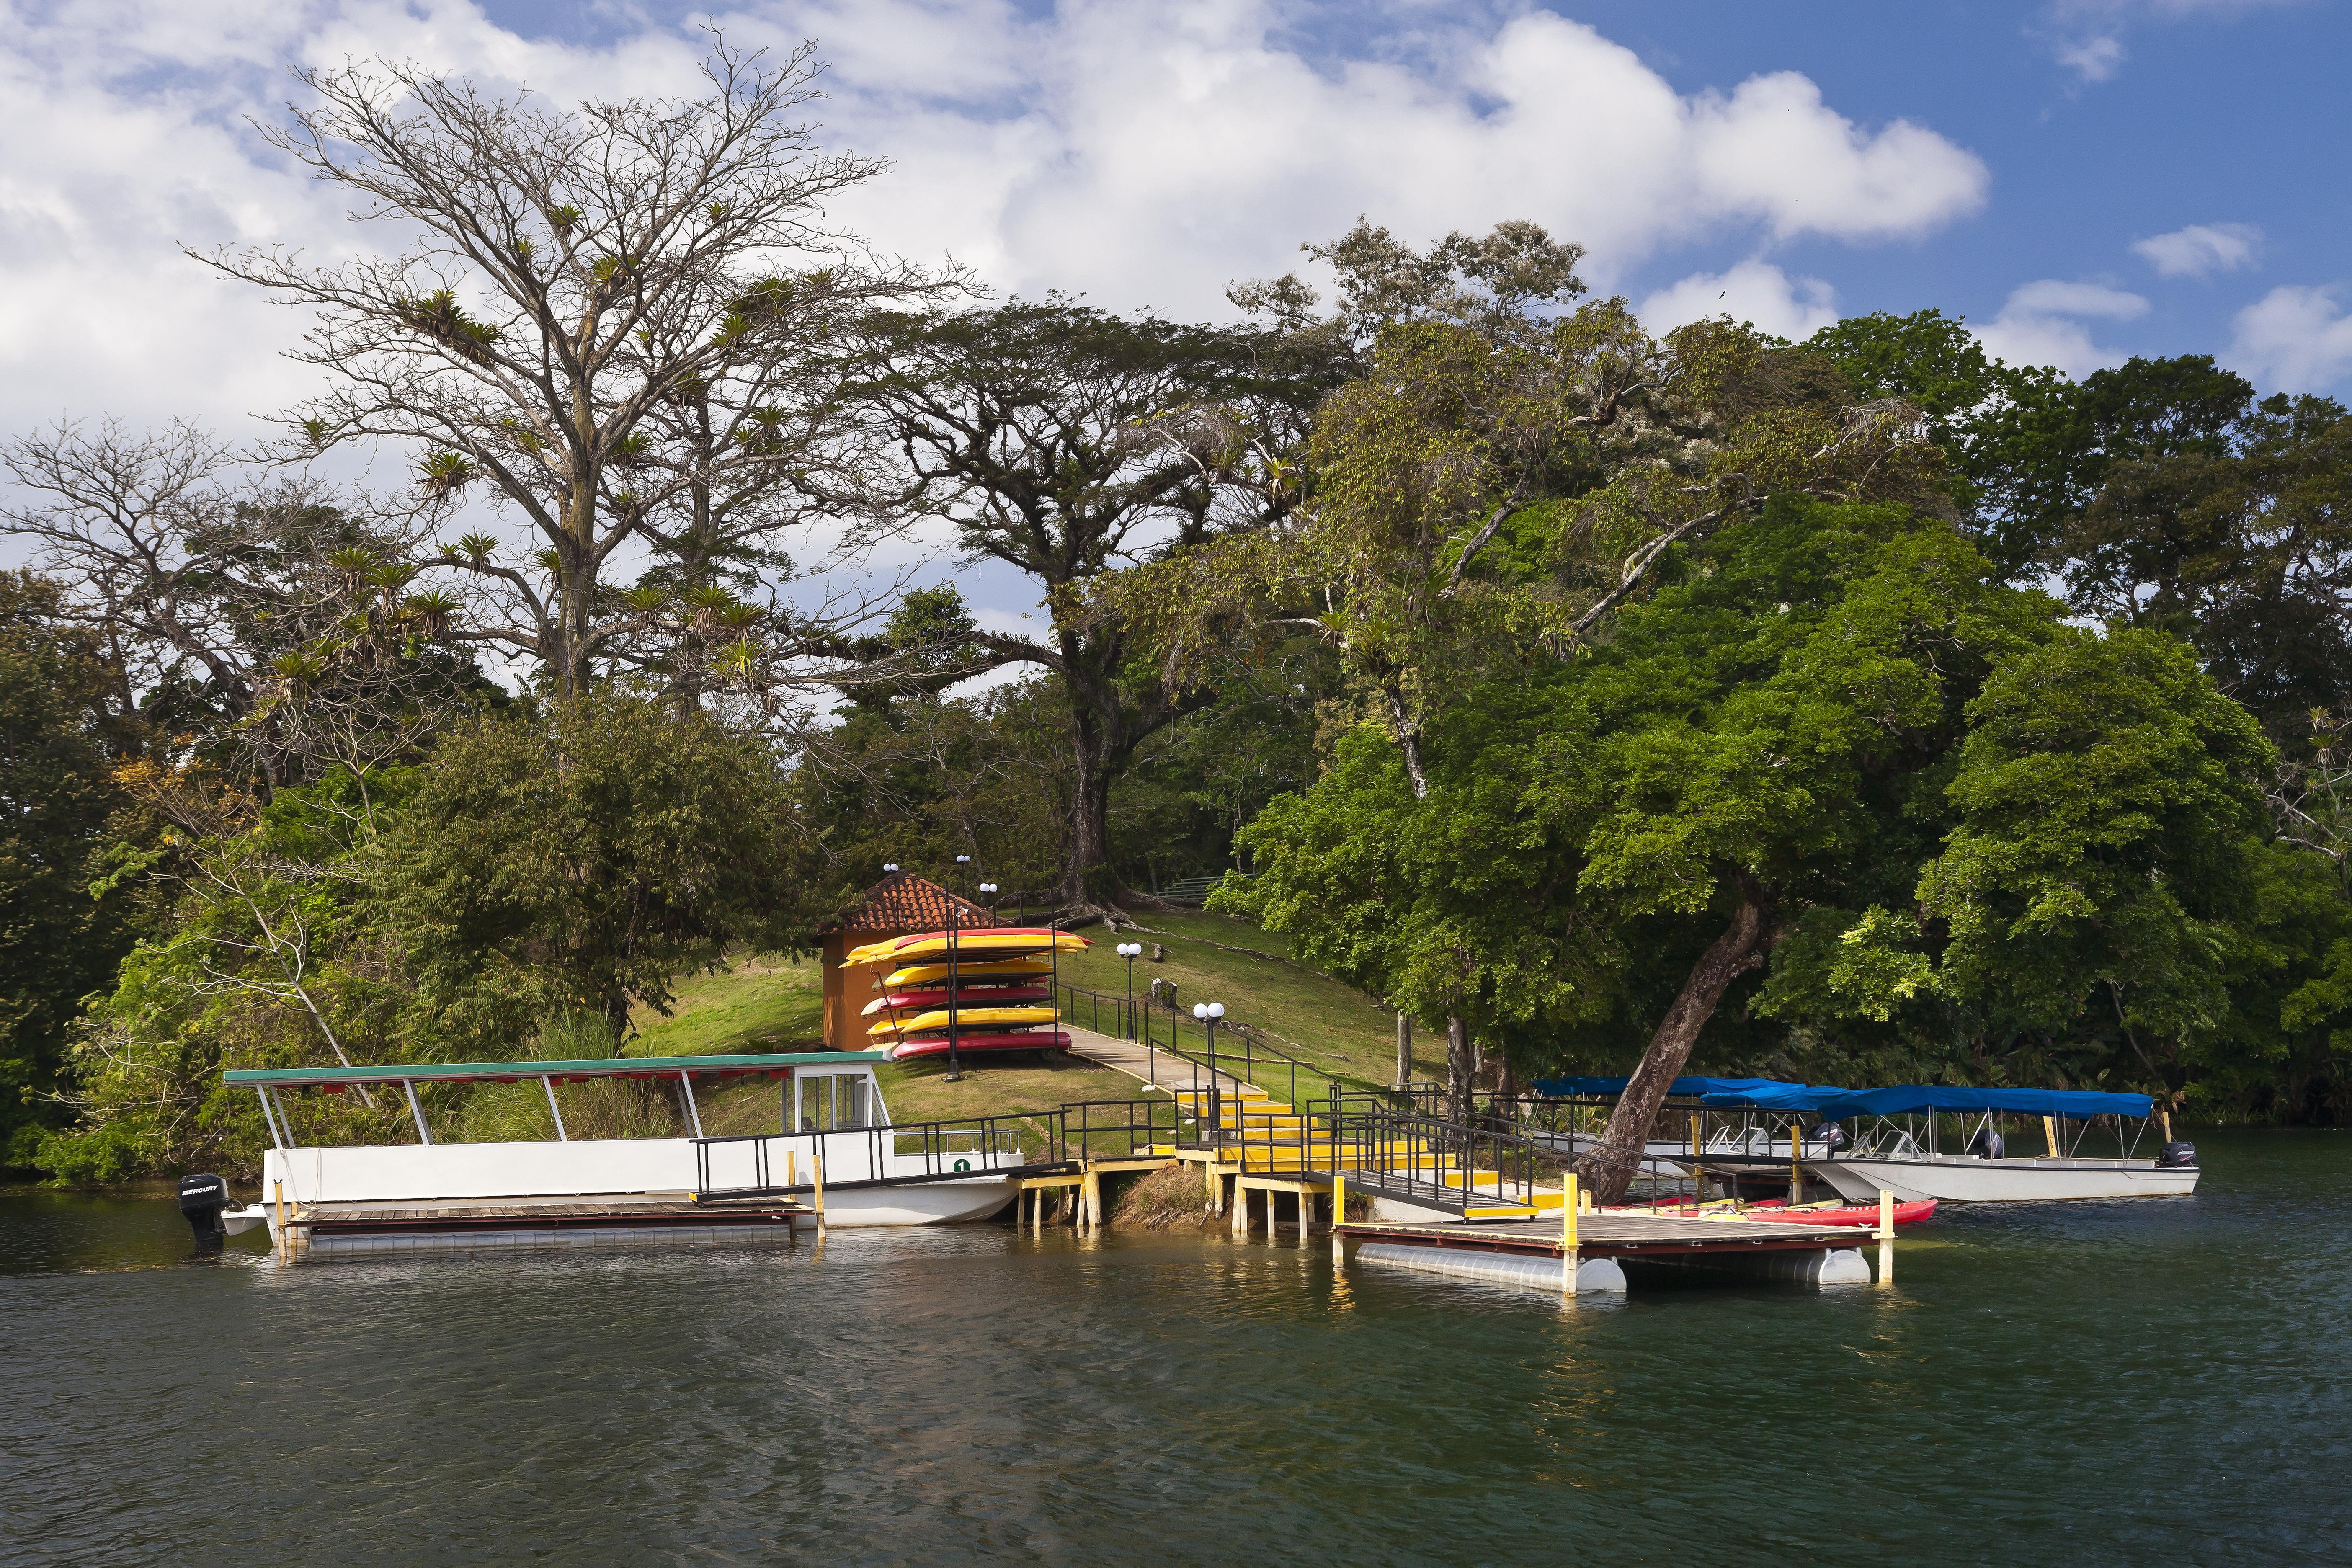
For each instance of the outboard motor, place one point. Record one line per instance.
(2176, 1156)
(1987, 1144)
(1832, 1136)
(202, 1198)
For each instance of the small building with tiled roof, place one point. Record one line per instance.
(899, 903)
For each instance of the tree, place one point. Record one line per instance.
(583, 860)
(60, 738)
(1616, 843)
(1067, 442)
(2109, 804)
(625, 321)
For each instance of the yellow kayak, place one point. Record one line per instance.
(923, 973)
(966, 1018)
(933, 944)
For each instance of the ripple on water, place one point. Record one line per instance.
(2118, 1382)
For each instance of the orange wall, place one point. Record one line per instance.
(846, 991)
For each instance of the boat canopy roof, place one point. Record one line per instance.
(564, 1070)
(1689, 1087)
(1839, 1104)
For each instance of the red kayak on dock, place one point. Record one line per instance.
(937, 1044)
(1777, 1210)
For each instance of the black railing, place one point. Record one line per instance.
(1237, 1050)
(758, 1163)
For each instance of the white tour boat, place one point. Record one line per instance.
(836, 1159)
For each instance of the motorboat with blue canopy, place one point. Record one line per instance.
(1875, 1139)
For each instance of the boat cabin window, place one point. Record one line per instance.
(831, 1101)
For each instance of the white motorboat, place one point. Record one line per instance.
(835, 1157)
(1887, 1139)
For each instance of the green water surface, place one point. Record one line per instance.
(2157, 1381)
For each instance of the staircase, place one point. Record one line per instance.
(1376, 1151)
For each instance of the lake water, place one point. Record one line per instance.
(2152, 1382)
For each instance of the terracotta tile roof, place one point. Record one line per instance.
(904, 901)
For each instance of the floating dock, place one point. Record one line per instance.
(461, 1227)
(1609, 1245)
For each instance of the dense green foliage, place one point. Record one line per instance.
(1865, 709)
(60, 733)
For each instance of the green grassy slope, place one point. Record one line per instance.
(774, 1003)
(1325, 1023)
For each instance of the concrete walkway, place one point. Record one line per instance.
(1162, 1070)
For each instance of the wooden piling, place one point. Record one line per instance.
(285, 1237)
(817, 1162)
(2050, 1133)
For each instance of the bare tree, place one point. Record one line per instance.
(623, 319)
(267, 615)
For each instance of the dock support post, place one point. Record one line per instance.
(1886, 1237)
(1338, 1212)
(817, 1162)
(1217, 1187)
(1093, 1199)
(1568, 1258)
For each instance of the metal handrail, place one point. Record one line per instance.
(966, 1146)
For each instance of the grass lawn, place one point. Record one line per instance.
(773, 1003)
(762, 1003)
(1325, 1023)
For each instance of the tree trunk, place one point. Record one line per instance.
(1404, 1050)
(1457, 1073)
(1087, 878)
(1610, 1168)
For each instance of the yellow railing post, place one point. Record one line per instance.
(1338, 1208)
(1568, 1258)
(1886, 1237)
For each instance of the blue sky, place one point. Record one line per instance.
(2082, 179)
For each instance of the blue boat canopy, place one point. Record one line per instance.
(1839, 1104)
(1689, 1087)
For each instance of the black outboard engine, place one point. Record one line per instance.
(202, 1198)
(2176, 1156)
(1987, 1144)
(1832, 1136)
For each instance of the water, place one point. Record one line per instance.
(2133, 1382)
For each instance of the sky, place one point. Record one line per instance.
(2082, 179)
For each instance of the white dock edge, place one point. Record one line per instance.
(1595, 1274)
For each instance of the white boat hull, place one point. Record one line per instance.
(1956, 1178)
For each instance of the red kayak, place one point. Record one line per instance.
(1777, 1210)
(937, 1044)
(974, 996)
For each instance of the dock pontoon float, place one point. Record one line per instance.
(834, 1153)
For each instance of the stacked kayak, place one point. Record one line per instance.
(992, 991)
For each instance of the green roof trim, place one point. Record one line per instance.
(575, 1068)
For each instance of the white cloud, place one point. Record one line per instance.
(1145, 153)
(2040, 324)
(2088, 35)
(2294, 340)
(1754, 291)
(2201, 250)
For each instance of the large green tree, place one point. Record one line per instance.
(1069, 444)
(585, 858)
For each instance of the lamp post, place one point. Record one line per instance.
(1208, 1013)
(955, 990)
(1130, 950)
